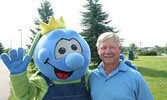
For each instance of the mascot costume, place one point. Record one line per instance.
(62, 58)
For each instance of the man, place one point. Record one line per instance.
(113, 79)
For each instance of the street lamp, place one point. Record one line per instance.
(20, 35)
(10, 42)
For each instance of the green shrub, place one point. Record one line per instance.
(147, 53)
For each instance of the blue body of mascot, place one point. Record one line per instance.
(62, 58)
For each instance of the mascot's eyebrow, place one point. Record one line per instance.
(70, 40)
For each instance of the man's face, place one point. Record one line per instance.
(109, 52)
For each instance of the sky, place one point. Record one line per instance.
(143, 22)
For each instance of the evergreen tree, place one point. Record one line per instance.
(1, 48)
(95, 23)
(165, 49)
(133, 47)
(45, 12)
(7, 50)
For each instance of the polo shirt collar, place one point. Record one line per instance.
(121, 68)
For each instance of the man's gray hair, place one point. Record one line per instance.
(106, 36)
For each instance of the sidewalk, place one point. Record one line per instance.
(4, 84)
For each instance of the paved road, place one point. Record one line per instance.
(4, 83)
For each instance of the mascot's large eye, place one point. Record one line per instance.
(73, 47)
(62, 50)
(65, 47)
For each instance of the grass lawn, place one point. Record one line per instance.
(154, 70)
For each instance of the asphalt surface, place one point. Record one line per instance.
(4, 83)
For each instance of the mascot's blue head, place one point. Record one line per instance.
(59, 53)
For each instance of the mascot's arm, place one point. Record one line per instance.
(87, 78)
(26, 89)
(21, 86)
(17, 67)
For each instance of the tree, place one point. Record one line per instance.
(45, 12)
(95, 23)
(133, 47)
(158, 49)
(124, 50)
(1, 48)
(7, 50)
(165, 49)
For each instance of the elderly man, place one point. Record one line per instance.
(113, 79)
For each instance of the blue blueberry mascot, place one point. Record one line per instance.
(62, 58)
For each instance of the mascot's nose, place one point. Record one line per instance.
(74, 61)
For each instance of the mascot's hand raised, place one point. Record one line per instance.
(15, 62)
(127, 62)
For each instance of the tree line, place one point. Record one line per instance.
(94, 22)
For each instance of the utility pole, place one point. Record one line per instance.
(140, 44)
(10, 42)
(20, 36)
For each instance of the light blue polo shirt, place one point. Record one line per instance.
(124, 83)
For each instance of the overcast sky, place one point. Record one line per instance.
(140, 21)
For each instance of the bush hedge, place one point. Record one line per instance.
(147, 53)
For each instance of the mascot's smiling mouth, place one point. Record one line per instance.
(59, 73)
